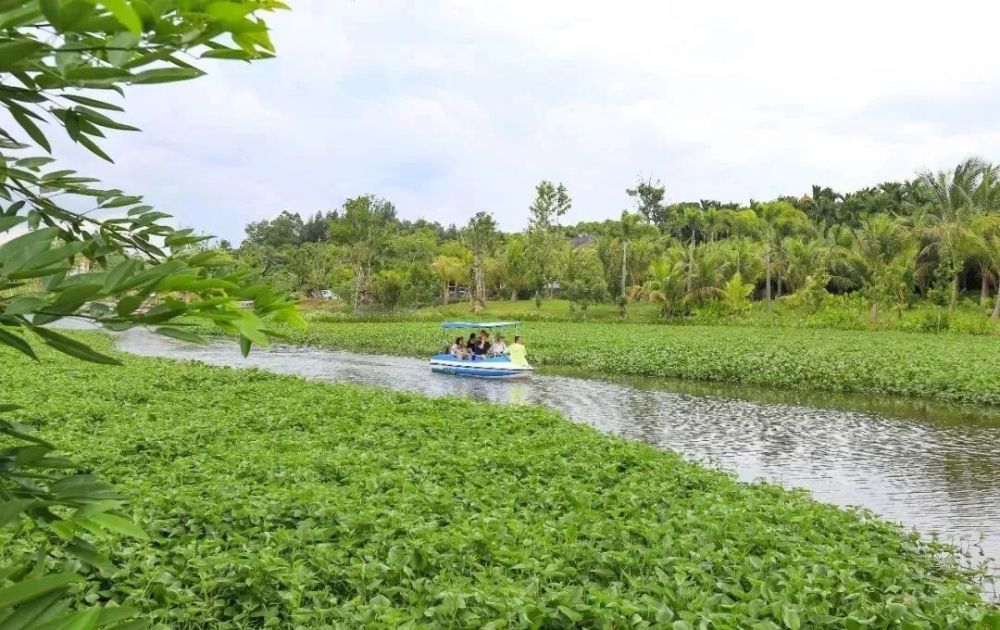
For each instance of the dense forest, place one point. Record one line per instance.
(932, 238)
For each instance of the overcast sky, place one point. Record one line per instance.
(448, 107)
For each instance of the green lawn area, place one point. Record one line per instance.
(272, 502)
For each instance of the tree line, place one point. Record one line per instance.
(932, 237)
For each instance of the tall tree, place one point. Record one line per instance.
(628, 228)
(284, 229)
(956, 197)
(552, 201)
(364, 228)
(649, 198)
(515, 265)
(585, 280)
(885, 254)
(778, 219)
(480, 236)
(449, 269)
(542, 247)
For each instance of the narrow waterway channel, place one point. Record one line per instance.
(936, 470)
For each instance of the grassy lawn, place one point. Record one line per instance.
(273, 502)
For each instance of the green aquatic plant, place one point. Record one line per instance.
(946, 367)
(273, 502)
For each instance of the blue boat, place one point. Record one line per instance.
(478, 366)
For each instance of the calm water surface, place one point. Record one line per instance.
(933, 468)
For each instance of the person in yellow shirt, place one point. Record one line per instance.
(517, 352)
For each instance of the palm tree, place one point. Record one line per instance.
(628, 226)
(956, 197)
(986, 231)
(666, 286)
(778, 219)
(735, 294)
(885, 256)
(688, 224)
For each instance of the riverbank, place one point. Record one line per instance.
(843, 312)
(946, 367)
(269, 498)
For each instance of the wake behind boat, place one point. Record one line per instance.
(478, 357)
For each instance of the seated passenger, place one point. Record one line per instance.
(500, 347)
(482, 346)
(518, 353)
(458, 349)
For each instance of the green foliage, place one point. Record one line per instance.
(273, 502)
(957, 368)
(584, 280)
(480, 236)
(123, 269)
(736, 294)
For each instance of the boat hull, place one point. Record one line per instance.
(497, 368)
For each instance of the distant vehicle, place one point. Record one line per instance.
(327, 294)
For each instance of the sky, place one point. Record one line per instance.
(447, 107)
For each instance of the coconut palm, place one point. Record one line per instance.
(778, 219)
(986, 238)
(956, 198)
(628, 227)
(885, 256)
(666, 285)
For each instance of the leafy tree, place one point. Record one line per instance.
(649, 198)
(449, 269)
(364, 230)
(480, 236)
(551, 202)
(285, 229)
(543, 242)
(515, 265)
(311, 265)
(317, 228)
(584, 280)
(56, 58)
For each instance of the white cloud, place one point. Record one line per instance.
(450, 106)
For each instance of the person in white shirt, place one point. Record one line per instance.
(500, 347)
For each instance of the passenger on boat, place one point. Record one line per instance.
(518, 353)
(458, 349)
(482, 346)
(470, 345)
(500, 347)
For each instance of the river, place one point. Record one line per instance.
(936, 469)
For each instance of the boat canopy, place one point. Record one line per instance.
(479, 324)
